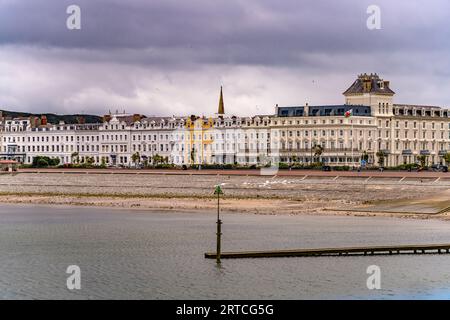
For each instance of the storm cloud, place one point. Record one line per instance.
(164, 57)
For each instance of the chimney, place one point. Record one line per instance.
(136, 117)
(107, 117)
(43, 120)
(306, 111)
(367, 85)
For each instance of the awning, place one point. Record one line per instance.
(407, 152)
(425, 152)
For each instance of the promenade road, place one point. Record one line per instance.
(250, 172)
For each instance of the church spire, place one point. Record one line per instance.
(221, 105)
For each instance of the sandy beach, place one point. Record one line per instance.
(243, 194)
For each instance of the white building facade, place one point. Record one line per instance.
(367, 124)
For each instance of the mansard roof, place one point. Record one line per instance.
(324, 110)
(369, 84)
(416, 106)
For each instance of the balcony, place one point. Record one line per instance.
(325, 150)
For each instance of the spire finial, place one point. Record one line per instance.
(221, 104)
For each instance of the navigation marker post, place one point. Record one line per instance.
(218, 191)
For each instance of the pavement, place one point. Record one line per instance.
(437, 204)
(249, 172)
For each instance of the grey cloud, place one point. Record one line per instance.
(233, 31)
(167, 56)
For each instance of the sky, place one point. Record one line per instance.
(167, 57)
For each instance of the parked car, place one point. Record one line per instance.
(326, 168)
(439, 168)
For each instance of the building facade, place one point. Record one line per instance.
(367, 126)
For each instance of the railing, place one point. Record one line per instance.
(325, 150)
(12, 154)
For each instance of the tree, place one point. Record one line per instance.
(157, 159)
(381, 156)
(54, 162)
(103, 164)
(447, 158)
(44, 161)
(74, 157)
(41, 162)
(136, 158)
(423, 160)
(318, 151)
(90, 160)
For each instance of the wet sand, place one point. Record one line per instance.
(243, 194)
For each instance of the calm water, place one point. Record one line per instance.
(127, 254)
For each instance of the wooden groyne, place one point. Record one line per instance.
(344, 251)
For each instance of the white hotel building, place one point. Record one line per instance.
(401, 132)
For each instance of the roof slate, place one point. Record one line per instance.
(378, 85)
